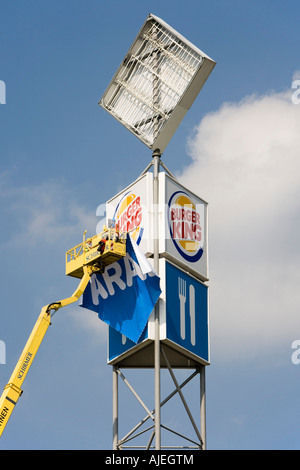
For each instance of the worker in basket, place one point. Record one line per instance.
(88, 245)
(105, 237)
(101, 246)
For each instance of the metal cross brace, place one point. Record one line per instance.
(150, 414)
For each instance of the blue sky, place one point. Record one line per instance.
(62, 156)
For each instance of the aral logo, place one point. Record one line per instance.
(185, 223)
(128, 214)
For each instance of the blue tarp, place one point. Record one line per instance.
(125, 294)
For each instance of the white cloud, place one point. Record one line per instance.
(246, 164)
(296, 75)
(45, 213)
(88, 321)
(39, 223)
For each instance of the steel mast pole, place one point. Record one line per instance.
(203, 407)
(115, 409)
(156, 163)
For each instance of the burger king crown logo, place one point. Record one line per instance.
(128, 214)
(185, 224)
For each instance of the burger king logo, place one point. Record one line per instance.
(128, 214)
(186, 226)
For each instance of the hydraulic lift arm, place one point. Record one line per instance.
(90, 256)
(12, 391)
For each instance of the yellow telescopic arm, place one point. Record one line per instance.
(12, 391)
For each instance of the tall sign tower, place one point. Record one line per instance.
(150, 93)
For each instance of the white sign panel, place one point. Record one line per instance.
(132, 209)
(183, 228)
(182, 222)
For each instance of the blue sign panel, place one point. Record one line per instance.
(184, 318)
(187, 312)
(119, 344)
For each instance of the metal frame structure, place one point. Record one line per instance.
(159, 354)
(197, 443)
(156, 83)
(150, 93)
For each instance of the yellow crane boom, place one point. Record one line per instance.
(102, 250)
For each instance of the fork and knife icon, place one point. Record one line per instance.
(182, 299)
(192, 311)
